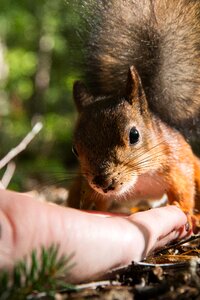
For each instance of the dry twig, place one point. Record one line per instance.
(14, 152)
(7, 176)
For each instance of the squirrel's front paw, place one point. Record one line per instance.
(195, 223)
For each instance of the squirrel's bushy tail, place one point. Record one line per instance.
(161, 39)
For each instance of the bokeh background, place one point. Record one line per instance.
(39, 48)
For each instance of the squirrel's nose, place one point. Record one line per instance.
(105, 183)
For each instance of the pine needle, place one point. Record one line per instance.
(44, 273)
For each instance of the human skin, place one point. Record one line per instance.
(98, 243)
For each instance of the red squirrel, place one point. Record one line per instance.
(131, 130)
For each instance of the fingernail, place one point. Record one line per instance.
(187, 226)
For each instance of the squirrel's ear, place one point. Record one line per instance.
(133, 86)
(82, 96)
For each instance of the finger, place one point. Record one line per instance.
(172, 237)
(161, 220)
(157, 224)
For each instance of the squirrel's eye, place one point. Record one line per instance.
(74, 151)
(134, 135)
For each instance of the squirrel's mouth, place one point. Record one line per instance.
(111, 185)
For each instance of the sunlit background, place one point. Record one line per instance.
(37, 69)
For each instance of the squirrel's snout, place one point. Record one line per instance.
(105, 183)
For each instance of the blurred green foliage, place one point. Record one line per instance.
(36, 78)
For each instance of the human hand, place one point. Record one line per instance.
(98, 243)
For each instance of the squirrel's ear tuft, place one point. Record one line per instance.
(133, 86)
(82, 96)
